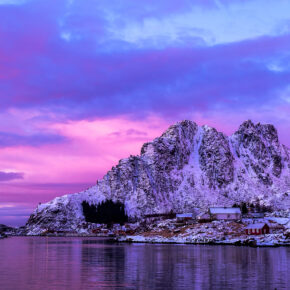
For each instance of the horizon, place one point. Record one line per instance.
(85, 84)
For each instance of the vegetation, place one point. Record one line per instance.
(107, 212)
(253, 207)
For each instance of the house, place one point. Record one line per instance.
(225, 213)
(203, 216)
(184, 216)
(274, 226)
(256, 215)
(257, 229)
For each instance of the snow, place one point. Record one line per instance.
(256, 226)
(216, 232)
(226, 210)
(184, 215)
(278, 220)
(187, 167)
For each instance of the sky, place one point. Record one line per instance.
(86, 83)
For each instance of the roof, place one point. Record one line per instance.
(184, 215)
(258, 214)
(281, 221)
(215, 210)
(203, 214)
(256, 226)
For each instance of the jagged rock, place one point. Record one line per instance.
(187, 167)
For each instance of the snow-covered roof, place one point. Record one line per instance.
(256, 213)
(216, 210)
(256, 226)
(202, 214)
(184, 215)
(281, 221)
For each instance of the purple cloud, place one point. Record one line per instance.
(11, 139)
(80, 79)
(8, 176)
(103, 85)
(96, 59)
(135, 132)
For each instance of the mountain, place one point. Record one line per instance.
(187, 167)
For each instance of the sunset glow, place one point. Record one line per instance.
(86, 83)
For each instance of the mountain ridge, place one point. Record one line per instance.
(188, 166)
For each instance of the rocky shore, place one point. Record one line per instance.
(215, 232)
(170, 231)
(156, 230)
(6, 231)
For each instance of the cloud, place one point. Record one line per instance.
(11, 139)
(137, 82)
(14, 214)
(130, 132)
(216, 22)
(93, 73)
(85, 83)
(8, 176)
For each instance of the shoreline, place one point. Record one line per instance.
(172, 231)
(238, 243)
(143, 240)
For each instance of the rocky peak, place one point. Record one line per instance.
(269, 132)
(174, 145)
(246, 126)
(248, 131)
(259, 147)
(216, 159)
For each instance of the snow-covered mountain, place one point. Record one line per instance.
(187, 167)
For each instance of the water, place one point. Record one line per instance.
(94, 263)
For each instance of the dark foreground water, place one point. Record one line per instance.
(93, 263)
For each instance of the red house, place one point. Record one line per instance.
(257, 229)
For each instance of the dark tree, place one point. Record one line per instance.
(265, 208)
(107, 212)
(258, 207)
(244, 208)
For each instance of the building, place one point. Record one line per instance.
(275, 227)
(256, 215)
(225, 213)
(257, 229)
(184, 216)
(203, 216)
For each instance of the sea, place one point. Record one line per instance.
(99, 263)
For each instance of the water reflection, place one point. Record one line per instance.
(89, 263)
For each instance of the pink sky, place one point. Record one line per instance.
(90, 149)
(85, 83)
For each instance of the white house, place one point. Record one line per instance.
(184, 216)
(203, 216)
(225, 213)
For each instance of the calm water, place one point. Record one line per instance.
(92, 263)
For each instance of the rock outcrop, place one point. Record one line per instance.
(188, 166)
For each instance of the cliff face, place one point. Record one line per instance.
(188, 166)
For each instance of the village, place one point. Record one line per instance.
(217, 225)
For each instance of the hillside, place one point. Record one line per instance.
(187, 167)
